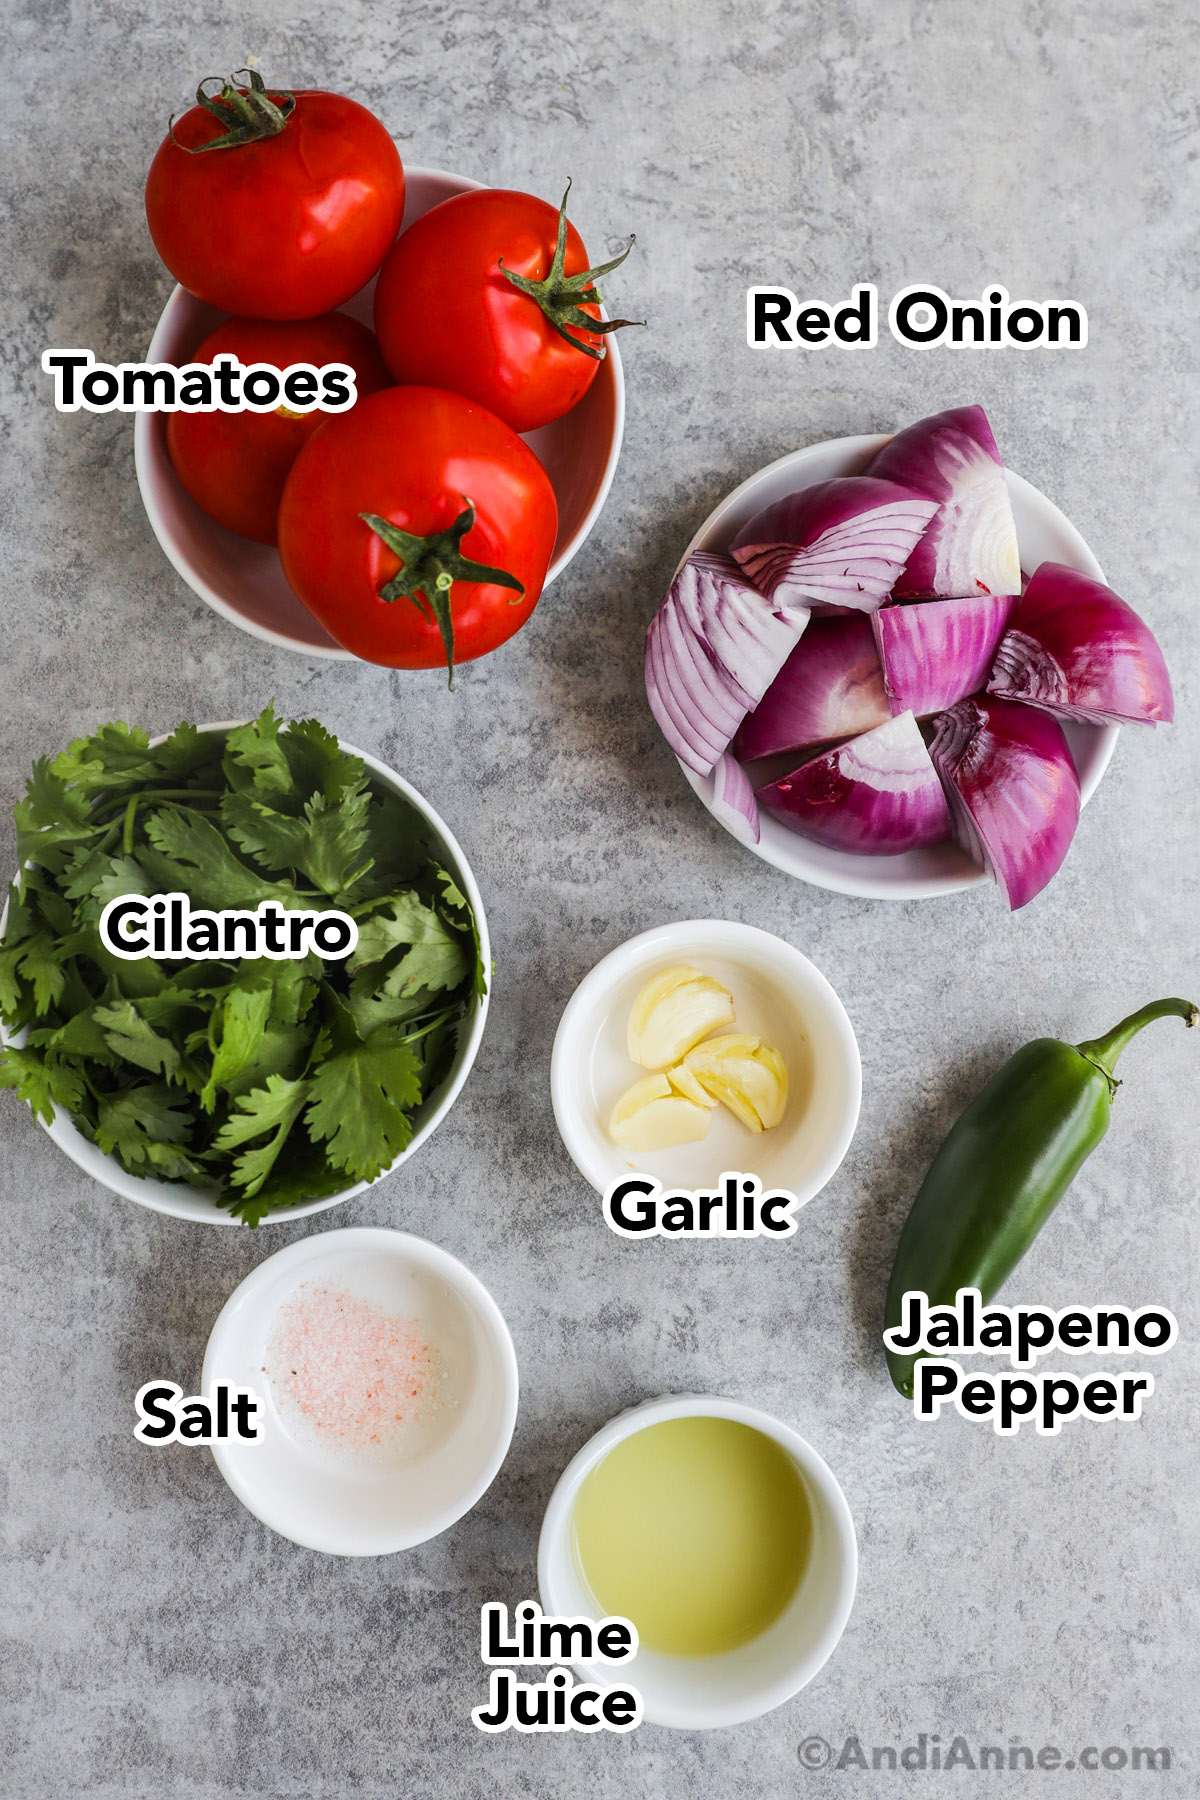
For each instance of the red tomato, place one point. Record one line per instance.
(421, 461)
(446, 313)
(279, 226)
(234, 465)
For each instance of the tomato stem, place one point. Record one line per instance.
(562, 297)
(429, 567)
(248, 113)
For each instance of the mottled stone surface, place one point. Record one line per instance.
(158, 1641)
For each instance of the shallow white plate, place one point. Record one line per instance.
(342, 1499)
(1044, 534)
(243, 581)
(778, 995)
(182, 1201)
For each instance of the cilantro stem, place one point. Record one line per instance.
(127, 828)
(156, 794)
(435, 1019)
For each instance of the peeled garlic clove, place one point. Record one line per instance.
(744, 1074)
(674, 1011)
(685, 1083)
(651, 1115)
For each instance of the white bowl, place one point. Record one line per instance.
(1044, 535)
(703, 1692)
(370, 1504)
(778, 995)
(242, 580)
(182, 1201)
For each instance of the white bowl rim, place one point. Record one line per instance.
(144, 455)
(733, 933)
(62, 1131)
(557, 1521)
(869, 885)
(456, 1274)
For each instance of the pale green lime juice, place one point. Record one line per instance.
(698, 1530)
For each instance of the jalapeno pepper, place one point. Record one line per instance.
(1004, 1167)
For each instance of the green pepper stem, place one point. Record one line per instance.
(1104, 1051)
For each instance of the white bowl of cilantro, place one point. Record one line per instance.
(242, 1091)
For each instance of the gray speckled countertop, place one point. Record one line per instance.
(158, 1641)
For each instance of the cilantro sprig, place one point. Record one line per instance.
(270, 1082)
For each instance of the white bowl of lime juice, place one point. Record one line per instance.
(725, 1540)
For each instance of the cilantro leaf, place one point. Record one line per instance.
(188, 854)
(254, 761)
(318, 763)
(301, 1172)
(34, 962)
(271, 1109)
(114, 758)
(361, 1098)
(96, 877)
(434, 956)
(457, 902)
(43, 1081)
(48, 802)
(326, 843)
(247, 1045)
(133, 1121)
(132, 1037)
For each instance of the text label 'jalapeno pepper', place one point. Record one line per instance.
(1005, 1165)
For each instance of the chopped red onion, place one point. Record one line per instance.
(971, 545)
(878, 795)
(733, 800)
(712, 650)
(1013, 790)
(686, 729)
(840, 543)
(1077, 649)
(830, 687)
(937, 652)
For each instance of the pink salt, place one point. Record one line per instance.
(354, 1370)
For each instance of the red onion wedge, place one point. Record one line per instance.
(733, 800)
(839, 543)
(937, 652)
(1077, 649)
(878, 795)
(1013, 789)
(971, 546)
(830, 687)
(712, 650)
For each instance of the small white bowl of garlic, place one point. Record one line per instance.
(704, 1047)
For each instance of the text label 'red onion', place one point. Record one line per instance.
(133, 926)
(224, 385)
(919, 315)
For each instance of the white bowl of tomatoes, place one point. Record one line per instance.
(244, 580)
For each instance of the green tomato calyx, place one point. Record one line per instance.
(429, 567)
(562, 297)
(249, 113)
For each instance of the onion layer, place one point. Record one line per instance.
(733, 800)
(878, 795)
(939, 651)
(970, 547)
(1013, 790)
(840, 543)
(1077, 649)
(712, 650)
(830, 687)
